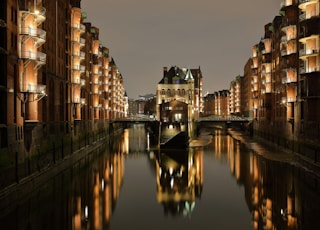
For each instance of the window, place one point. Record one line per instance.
(13, 15)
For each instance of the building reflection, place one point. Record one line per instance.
(278, 195)
(135, 139)
(179, 178)
(92, 208)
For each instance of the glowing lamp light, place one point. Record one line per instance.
(171, 182)
(86, 212)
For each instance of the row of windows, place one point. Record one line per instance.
(177, 108)
(172, 92)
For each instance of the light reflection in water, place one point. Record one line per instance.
(179, 178)
(277, 195)
(106, 181)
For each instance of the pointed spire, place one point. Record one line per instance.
(189, 75)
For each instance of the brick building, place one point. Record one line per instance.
(57, 78)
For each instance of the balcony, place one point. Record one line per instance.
(265, 72)
(80, 68)
(287, 80)
(38, 57)
(78, 100)
(255, 89)
(304, 3)
(97, 106)
(307, 70)
(38, 34)
(289, 27)
(98, 72)
(38, 12)
(80, 27)
(97, 92)
(305, 53)
(76, 80)
(82, 82)
(80, 41)
(286, 52)
(80, 54)
(40, 15)
(34, 88)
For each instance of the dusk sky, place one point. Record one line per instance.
(144, 36)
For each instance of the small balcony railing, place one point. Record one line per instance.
(80, 68)
(80, 27)
(34, 88)
(308, 52)
(39, 14)
(82, 82)
(306, 1)
(33, 32)
(304, 70)
(79, 100)
(35, 56)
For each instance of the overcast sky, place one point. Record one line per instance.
(146, 35)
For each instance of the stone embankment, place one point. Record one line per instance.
(273, 152)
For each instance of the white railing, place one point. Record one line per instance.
(36, 56)
(34, 88)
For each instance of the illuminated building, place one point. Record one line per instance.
(217, 103)
(235, 96)
(184, 85)
(285, 78)
(309, 81)
(246, 92)
(57, 79)
(179, 180)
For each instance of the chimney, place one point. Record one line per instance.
(165, 70)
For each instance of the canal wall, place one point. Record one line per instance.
(51, 153)
(308, 149)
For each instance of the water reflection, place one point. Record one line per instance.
(179, 180)
(278, 195)
(97, 192)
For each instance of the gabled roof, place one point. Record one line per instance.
(175, 75)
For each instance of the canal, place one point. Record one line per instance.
(127, 185)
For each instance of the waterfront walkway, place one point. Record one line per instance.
(274, 152)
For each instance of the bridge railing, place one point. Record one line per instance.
(137, 117)
(224, 118)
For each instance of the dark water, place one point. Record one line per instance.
(125, 186)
